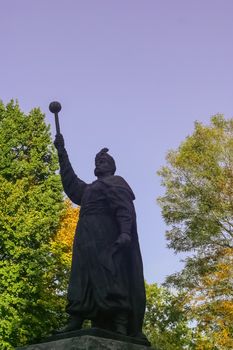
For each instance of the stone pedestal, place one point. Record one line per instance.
(92, 339)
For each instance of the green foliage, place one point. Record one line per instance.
(165, 323)
(30, 205)
(198, 207)
(198, 202)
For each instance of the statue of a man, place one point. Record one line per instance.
(106, 283)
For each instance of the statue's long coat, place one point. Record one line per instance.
(104, 278)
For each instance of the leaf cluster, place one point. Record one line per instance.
(166, 323)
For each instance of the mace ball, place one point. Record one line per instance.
(55, 107)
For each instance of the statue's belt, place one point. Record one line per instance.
(94, 210)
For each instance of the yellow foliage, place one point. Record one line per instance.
(211, 301)
(68, 224)
(65, 234)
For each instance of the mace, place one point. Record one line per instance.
(55, 108)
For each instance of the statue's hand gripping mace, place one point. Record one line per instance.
(55, 108)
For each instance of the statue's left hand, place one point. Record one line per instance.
(123, 240)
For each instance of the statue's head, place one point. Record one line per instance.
(104, 164)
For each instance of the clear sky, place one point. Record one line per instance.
(132, 75)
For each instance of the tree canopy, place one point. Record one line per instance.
(198, 207)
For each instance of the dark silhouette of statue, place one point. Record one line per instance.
(106, 283)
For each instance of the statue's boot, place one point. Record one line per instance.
(75, 323)
(121, 323)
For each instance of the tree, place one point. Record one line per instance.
(31, 201)
(198, 207)
(166, 323)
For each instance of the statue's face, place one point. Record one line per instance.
(102, 167)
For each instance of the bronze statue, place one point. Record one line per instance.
(106, 283)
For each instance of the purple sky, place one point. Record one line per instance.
(131, 75)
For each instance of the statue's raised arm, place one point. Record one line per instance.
(73, 186)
